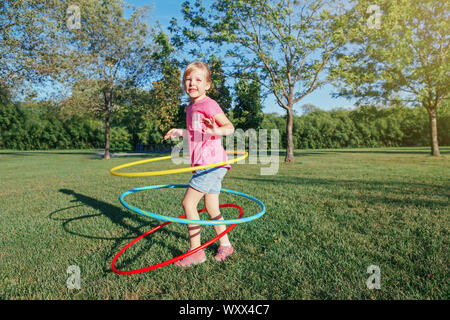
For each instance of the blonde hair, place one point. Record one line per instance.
(197, 65)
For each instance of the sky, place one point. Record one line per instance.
(164, 10)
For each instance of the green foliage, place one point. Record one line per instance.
(288, 44)
(25, 43)
(366, 126)
(247, 111)
(404, 58)
(219, 91)
(84, 132)
(41, 128)
(120, 139)
(12, 120)
(149, 114)
(150, 133)
(282, 45)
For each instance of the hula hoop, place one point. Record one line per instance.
(190, 221)
(162, 264)
(171, 171)
(179, 219)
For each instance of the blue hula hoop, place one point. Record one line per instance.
(189, 221)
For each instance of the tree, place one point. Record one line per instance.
(247, 110)
(402, 55)
(219, 90)
(26, 41)
(116, 50)
(149, 113)
(289, 44)
(86, 99)
(102, 50)
(166, 93)
(308, 108)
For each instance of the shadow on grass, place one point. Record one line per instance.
(118, 217)
(390, 190)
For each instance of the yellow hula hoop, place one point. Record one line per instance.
(171, 171)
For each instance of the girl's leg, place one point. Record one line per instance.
(190, 201)
(212, 206)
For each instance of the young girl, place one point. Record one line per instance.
(206, 123)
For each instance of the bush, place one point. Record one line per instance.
(85, 133)
(120, 139)
(40, 128)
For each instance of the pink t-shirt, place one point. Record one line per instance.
(204, 148)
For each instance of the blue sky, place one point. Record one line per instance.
(164, 10)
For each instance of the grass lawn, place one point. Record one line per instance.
(330, 215)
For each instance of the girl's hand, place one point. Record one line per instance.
(173, 133)
(224, 128)
(210, 126)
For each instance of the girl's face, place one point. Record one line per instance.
(195, 85)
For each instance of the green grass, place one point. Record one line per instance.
(330, 215)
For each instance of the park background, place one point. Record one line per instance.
(369, 132)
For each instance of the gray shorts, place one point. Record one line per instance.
(208, 180)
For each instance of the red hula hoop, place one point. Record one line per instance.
(162, 264)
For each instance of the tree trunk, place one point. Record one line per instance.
(107, 95)
(432, 111)
(107, 155)
(289, 136)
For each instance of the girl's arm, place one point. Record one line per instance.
(225, 126)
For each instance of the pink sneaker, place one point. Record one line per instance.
(224, 252)
(193, 259)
